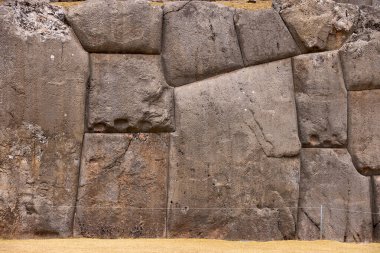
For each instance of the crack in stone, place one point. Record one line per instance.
(258, 130)
(309, 218)
(179, 9)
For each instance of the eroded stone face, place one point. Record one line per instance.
(114, 26)
(38, 182)
(230, 174)
(263, 36)
(43, 71)
(321, 99)
(364, 130)
(199, 41)
(122, 188)
(359, 60)
(329, 178)
(318, 25)
(128, 93)
(376, 196)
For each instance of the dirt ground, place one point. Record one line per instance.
(180, 246)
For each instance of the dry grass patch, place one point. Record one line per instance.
(66, 4)
(243, 4)
(180, 246)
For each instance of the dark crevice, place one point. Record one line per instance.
(179, 9)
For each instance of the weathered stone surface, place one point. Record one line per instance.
(233, 180)
(318, 25)
(115, 26)
(364, 130)
(329, 178)
(362, 52)
(376, 3)
(199, 41)
(376, 210)
(128, 93)
(263, 36)
(122, 186)
(43, 71)
(357, 2)
(321, 99)
(38, 182)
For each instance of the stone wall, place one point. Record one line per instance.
(191, 119)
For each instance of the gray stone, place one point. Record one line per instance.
(115, 26)
(376, 209)
(376, 3)
(357, 2)
(38, 182)
(122, 187)
(44, 72)
(329, 178)
(235, 179)
(318, 25)
(263, 36)
(321, 99)
(128, 93)
(364, 130)
(199, 41)
(359, 59)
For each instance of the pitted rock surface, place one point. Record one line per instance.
(115, 26)
(321, 99)
(122, 188)
(128, 93)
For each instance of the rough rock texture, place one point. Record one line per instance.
(38, 182)
(115, 26)
(199, 41)
(122, 187)
(318, 25)
(321, 99)
(376, 209)
(43, 71)
(224, 179)
(364, 130)
(43, 74)
(263, 36)
(329, 178)
(128, 93)
(362, 52)
(357, 2)
(376, 3)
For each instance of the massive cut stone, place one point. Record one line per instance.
(263, 36)
(321, 99)
(115, 26)
(376, 210)
(199, 41)
(329, 178)
(361, 61)
(230, 176)
(364, 130)
(128, 93)
(44, 72)
(122, 188)
(318, 25)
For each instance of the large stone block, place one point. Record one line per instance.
(44, 72)
(199, 41)
(360, 61)
(128, 93)
(122, 187)
(318, 25)
(321, 99)
(364, 130)
(230, 174)
(115, 26)
(329, 178)
(263, 36)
